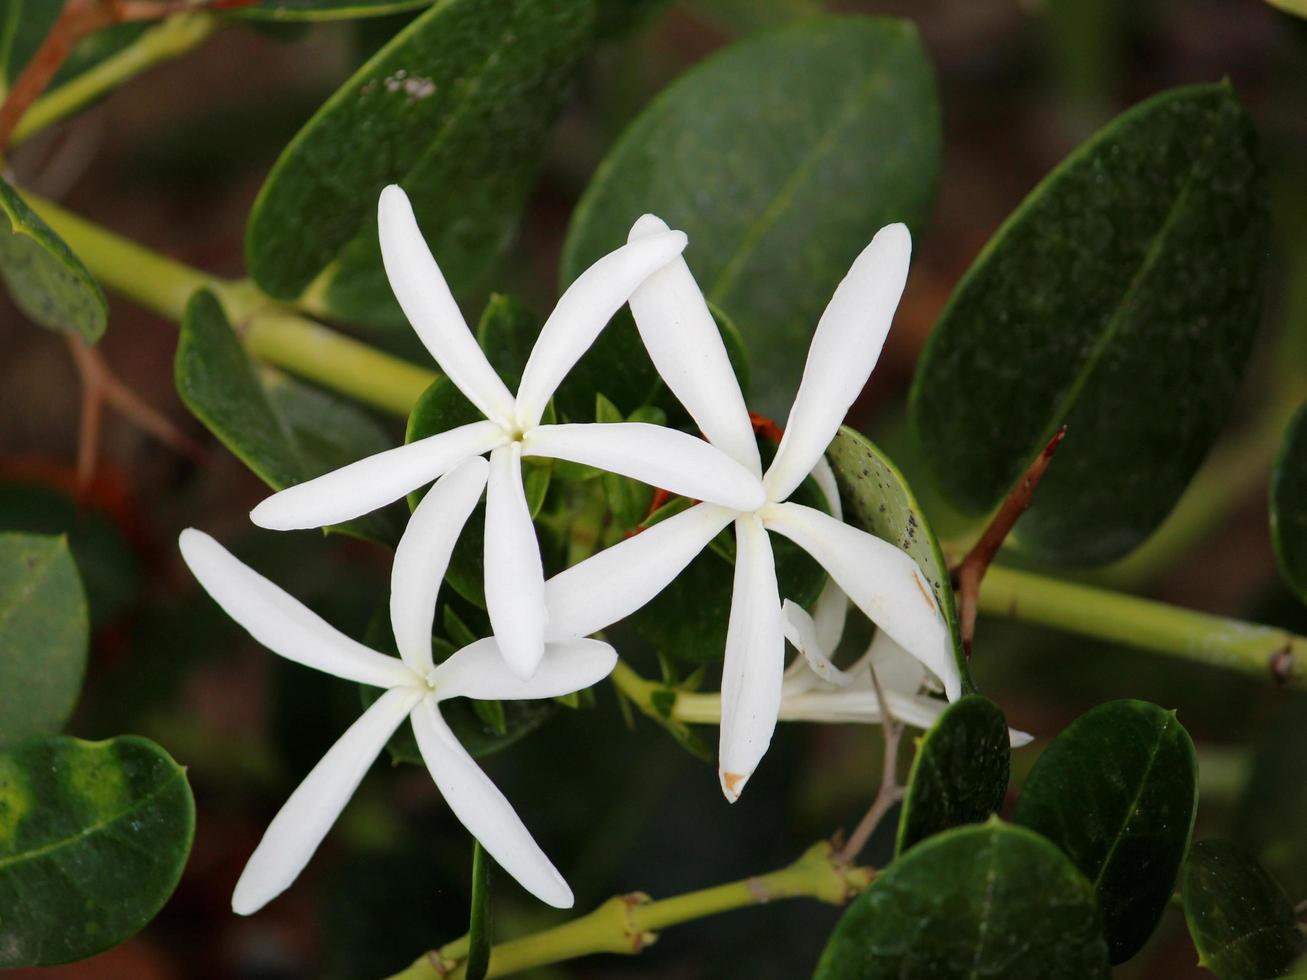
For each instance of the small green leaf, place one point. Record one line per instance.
(284, 431)
(46, 280)
(479, 938)
(780, 156)
(1118, 792)
(1121, 299)
(455, 108)
(308, 10)
(1242, 923)
(43, 637)
(1298, 7)
(93, 838)
(979, 901)
(878, 499)
(960, 772)
(1289, 505)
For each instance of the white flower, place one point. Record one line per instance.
(880, 579)
(514, 579)
(414, 687)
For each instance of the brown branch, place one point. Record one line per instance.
(969, 573)
(890, 791)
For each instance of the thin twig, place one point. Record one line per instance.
(969, 573)
(891, 791)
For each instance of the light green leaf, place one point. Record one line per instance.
(93, 838)
(1118, 792)
(46, 280)
(1121, 299)
(303, 10)
(43, 637)
(780, 156)
(1289, 505)
(456, 109)
(478, 929)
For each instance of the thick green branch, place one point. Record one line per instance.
(628, 923)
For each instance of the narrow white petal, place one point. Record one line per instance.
(653, 454)
(298, 829)
(280, 621)
(829, 614)
(582, 312)
(844, 350)
(686, 347)
(896, 669)
(515, 578)
(801, 631)
(483, 810)
(754, 664)
(361, 487)
(611, 585)
(479, 671)
(879, 579)
(423, 556)
(427, 302)
(860, 706)
(824, 477)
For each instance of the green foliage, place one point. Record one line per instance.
(1289, 505)
(309, 10)
(93, 838)
(1118, 792)
(1242, 923)
(43, 637)
(24, 25)
(284, 431)
(1298, 7)
(1121, 299)
(478, 927)
(46, 280)
(979, 901)
(455, 108)
(780, 157)
(960, 771)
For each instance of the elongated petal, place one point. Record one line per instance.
(479, 671)
(754, 665)
(298, 829)
(423, 556)
(844, 350)
(829, 614)
(896, 669)
(860, 706)
(879, 579)
(483, 810)
(582, 312)
(358, 488)
(611, 585)
(427, 302)
(280, 621)
(685, 346)
(653, 454)
(801, 631)
(515, 578)
(824, 477)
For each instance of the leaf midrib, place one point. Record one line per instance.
(1129, 811)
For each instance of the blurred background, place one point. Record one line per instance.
(174, 160)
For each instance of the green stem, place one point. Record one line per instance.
(1261, 651)
(171, 38)
(628, 923)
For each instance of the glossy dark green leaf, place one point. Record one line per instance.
(989, 901)
(878, 499)
(456, 109)
(1289, 505)
(1242, 923)
(1118, 792)
(93, 838)
(46, 280)
(1120, 298)
(284, 431)
(780, 156)
(959, 774)
(302, 10)
(478, 928)
(43, 636)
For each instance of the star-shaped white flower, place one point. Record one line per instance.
(880, 579)
(414, 687)
(514, 579)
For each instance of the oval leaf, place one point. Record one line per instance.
(93, 838)
(960, 772)
(455, 108)
(1118, 792)
(979, 901)
(1289, 505)
(780, 157)
(1120, 298)
(43, 636)
(46, 280)
(1242, 923)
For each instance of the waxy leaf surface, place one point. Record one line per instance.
(1289, 505)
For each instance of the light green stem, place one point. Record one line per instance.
(1261, 651)
(171, 38)
(628, 923)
